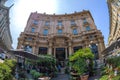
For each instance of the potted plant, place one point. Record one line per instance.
(79, 62)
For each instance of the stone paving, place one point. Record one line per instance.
(94, 78)
(97, 76)
(62, 77)
(66, 77)
(1, 61)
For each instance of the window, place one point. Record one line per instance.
(43, 50)
(59, 31)
(28, 48)
(76, 48)
(72, 22)
(91, 37)
(87, 28)
(45, 32)
(84, 20)
(47, 23)
(35, 22)
(29, 38)
(33, 30)
(75, 31)
(59, 23)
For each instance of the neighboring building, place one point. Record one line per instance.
(61, 35)
(5, 36)
(114, 33)
(114, 13)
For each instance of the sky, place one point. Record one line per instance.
(19, 13)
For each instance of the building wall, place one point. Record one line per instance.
(66, 39)
(5, 36)
(114, 13)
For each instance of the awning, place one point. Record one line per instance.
(24, 54)
(109, 49)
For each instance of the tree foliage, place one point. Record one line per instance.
(82, 53)
(78, 60)
(6, 69)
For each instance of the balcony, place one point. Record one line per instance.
(30, 33)
(42, 39)
(60, 27)
(109, 50)
(59, 35)
(90, 31)
(86, 23)
(74, 26)
(46, 27)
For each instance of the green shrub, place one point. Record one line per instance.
(6, 70)
(10, 63)
(32, 72)
(78, 60)
(112, 64)
(116, 77)
(105, 77)
(36, 75)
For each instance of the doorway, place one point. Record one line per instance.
(60, 56)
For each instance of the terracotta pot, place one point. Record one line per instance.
(84, 77)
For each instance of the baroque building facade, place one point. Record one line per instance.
(5, 35)
(61, 35)
(114, 13)
(114, 29)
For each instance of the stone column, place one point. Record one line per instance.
(33, 50)
(100, 49)
(50, 48)
(37, 50)
(70, 49)
(54, 52)
(66, 56)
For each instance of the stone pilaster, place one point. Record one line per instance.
(33, 50)
(50, 48)
(66, 56)
(54, 52)
(70, 48)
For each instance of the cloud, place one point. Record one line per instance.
(21, 10)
